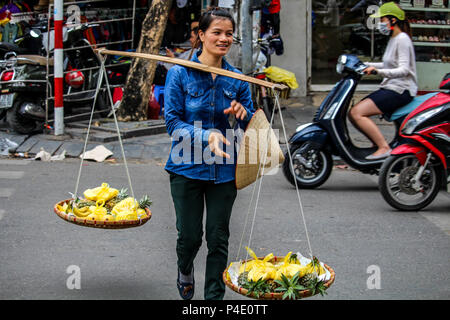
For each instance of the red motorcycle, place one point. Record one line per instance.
(416, 170)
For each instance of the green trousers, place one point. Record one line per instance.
(189, 198)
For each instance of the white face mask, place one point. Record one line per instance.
(384, 28)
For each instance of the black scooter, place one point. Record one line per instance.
(314, 144)
(24, 84)
(29, 43)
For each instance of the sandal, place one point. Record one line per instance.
(185, 289)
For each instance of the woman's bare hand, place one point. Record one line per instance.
(237, 109)
(215, 140)
(370, 70)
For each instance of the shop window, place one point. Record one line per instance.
(336, 30)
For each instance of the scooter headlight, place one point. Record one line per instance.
(412, 123)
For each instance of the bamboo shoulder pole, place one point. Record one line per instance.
(194, 65)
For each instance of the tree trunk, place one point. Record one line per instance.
(134, 104)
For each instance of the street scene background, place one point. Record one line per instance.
(376, 251)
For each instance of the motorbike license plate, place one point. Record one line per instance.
(6, 100)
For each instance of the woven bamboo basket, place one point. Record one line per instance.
(100, 224)
(273, 295)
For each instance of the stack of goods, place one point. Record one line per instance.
(290, 277)
(105, 206)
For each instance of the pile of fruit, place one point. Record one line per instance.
(288, 277)
(107, 204)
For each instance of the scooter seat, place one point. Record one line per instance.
(34, 59)
(407, 109)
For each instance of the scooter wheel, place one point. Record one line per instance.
(397, 185)
(17, 122)
(311, 167)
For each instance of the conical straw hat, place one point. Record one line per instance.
(259, 140)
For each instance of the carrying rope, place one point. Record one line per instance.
(220, 71)
(302, 214)
(99, 83)
(253, 194)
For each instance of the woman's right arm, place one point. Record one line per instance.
(174, 109)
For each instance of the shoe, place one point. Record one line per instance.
(381, 156)
(185, 289)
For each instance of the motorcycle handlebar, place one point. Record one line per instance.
(260, 41)
(81, 26)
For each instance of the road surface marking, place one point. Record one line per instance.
(441, 220)
(6, 192)
(11, 174)
(15, 162)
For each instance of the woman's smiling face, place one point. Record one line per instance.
(218, 38)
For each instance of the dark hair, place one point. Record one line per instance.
(208, 17)
(405, 27)
(212, 14)
(402, 24)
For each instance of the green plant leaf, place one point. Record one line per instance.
(300, 287)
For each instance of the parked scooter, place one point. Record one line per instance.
(24, 84)
(29, 43)
(314, 144)
(261, 60)
(412, 176)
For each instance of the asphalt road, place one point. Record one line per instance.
(376, 252)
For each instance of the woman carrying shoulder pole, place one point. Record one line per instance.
(197, 107)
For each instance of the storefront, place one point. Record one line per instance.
(316, 32)
(337, 29)
(118, 24)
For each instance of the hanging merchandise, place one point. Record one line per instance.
(292, 276)
(104, 206)
(287, 277)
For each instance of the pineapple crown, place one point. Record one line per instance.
(145, 202)
(123, 194)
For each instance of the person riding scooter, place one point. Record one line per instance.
(399, 84)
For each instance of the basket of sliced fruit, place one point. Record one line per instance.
(105, 207)
(290, 277)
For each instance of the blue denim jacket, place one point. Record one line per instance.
(193, 108)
